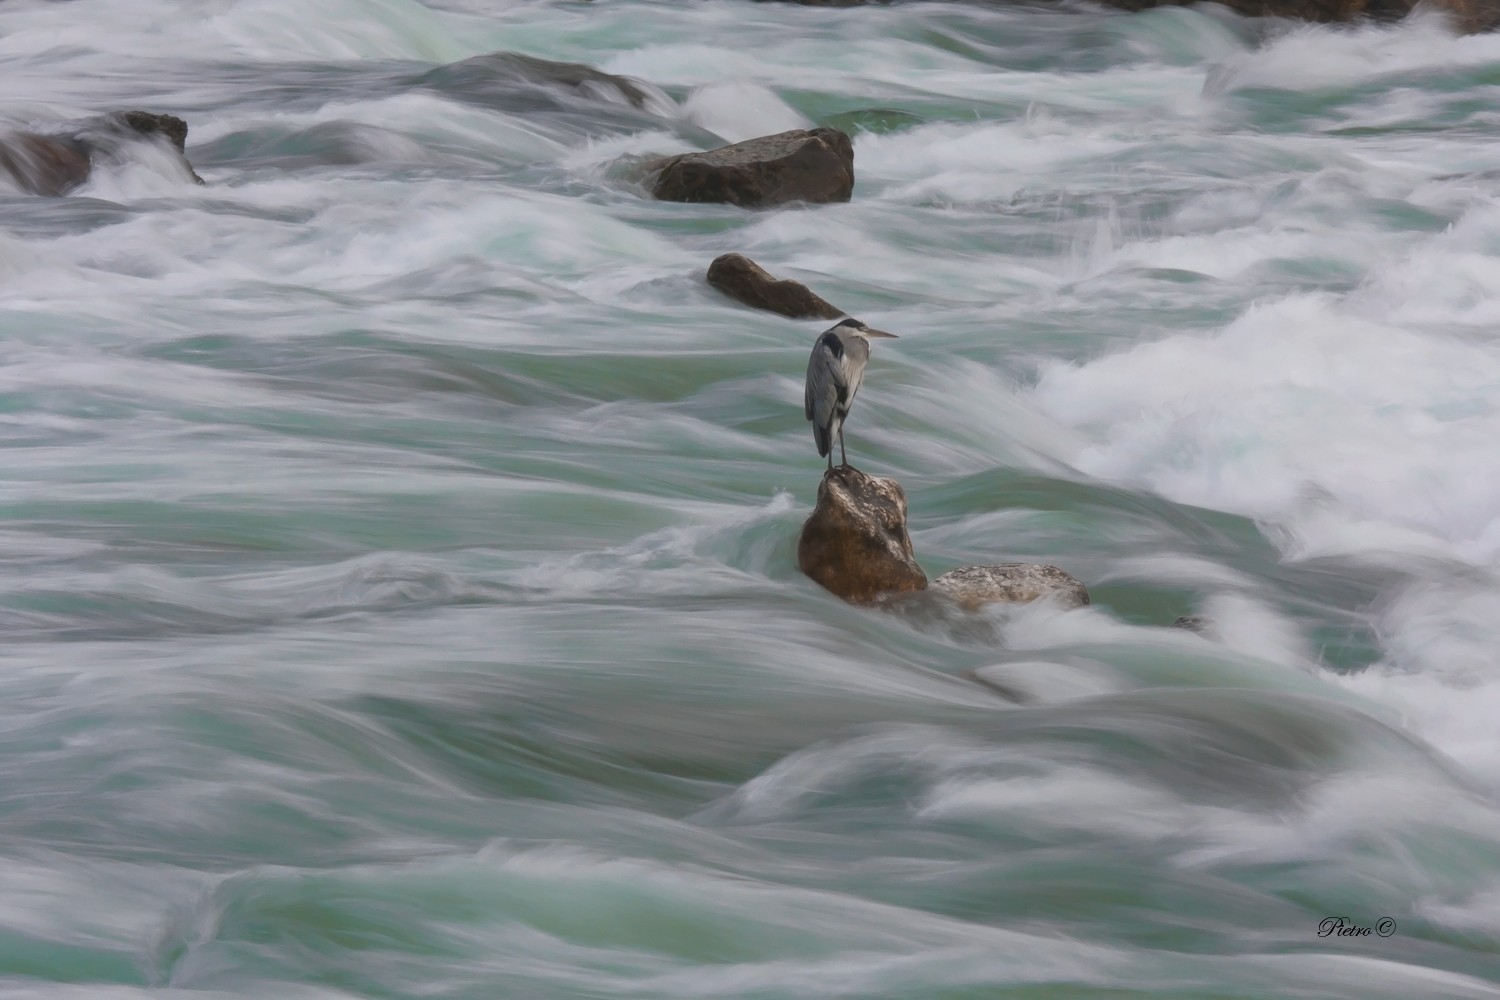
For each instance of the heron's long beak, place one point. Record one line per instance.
(878, 333)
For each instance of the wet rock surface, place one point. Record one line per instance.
(814, 166)
(855, 544)
(53, 165)
(44, 164)
(174, 129)
(743, 280)
(1472, 16)
(122, 127)
(1012, 583)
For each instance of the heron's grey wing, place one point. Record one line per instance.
(827, 382)
(827, 387)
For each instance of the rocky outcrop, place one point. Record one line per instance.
(1011, 583)
(855, 543)
(800, 165)
(172, 128)
(1468, 15)
(123, 127)
(743, 280)
(53, 165)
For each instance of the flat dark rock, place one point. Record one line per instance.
(1011, 583)
(743, 280)
(813, 166)
(855, 543)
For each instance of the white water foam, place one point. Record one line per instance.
(739, 111)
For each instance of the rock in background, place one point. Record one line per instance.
(1468, 15)
(801, 165)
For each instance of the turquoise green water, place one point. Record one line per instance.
(402, 598)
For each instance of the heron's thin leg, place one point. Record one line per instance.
(842, 453)
(830, 459)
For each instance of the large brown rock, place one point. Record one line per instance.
(1011, 583)
(800, 165)
(855, 543)
(53, 165)
(743, 280)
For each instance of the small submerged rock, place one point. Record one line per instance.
(743, 280)
(493, 79)
(801, 165)
(1194, 623)
(1012, 583)
(855, 543)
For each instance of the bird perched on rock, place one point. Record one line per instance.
(834, 372)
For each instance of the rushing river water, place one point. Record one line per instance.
(401, 595)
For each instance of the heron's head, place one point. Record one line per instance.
(852, 325)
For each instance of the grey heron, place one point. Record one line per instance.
(834, 372)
